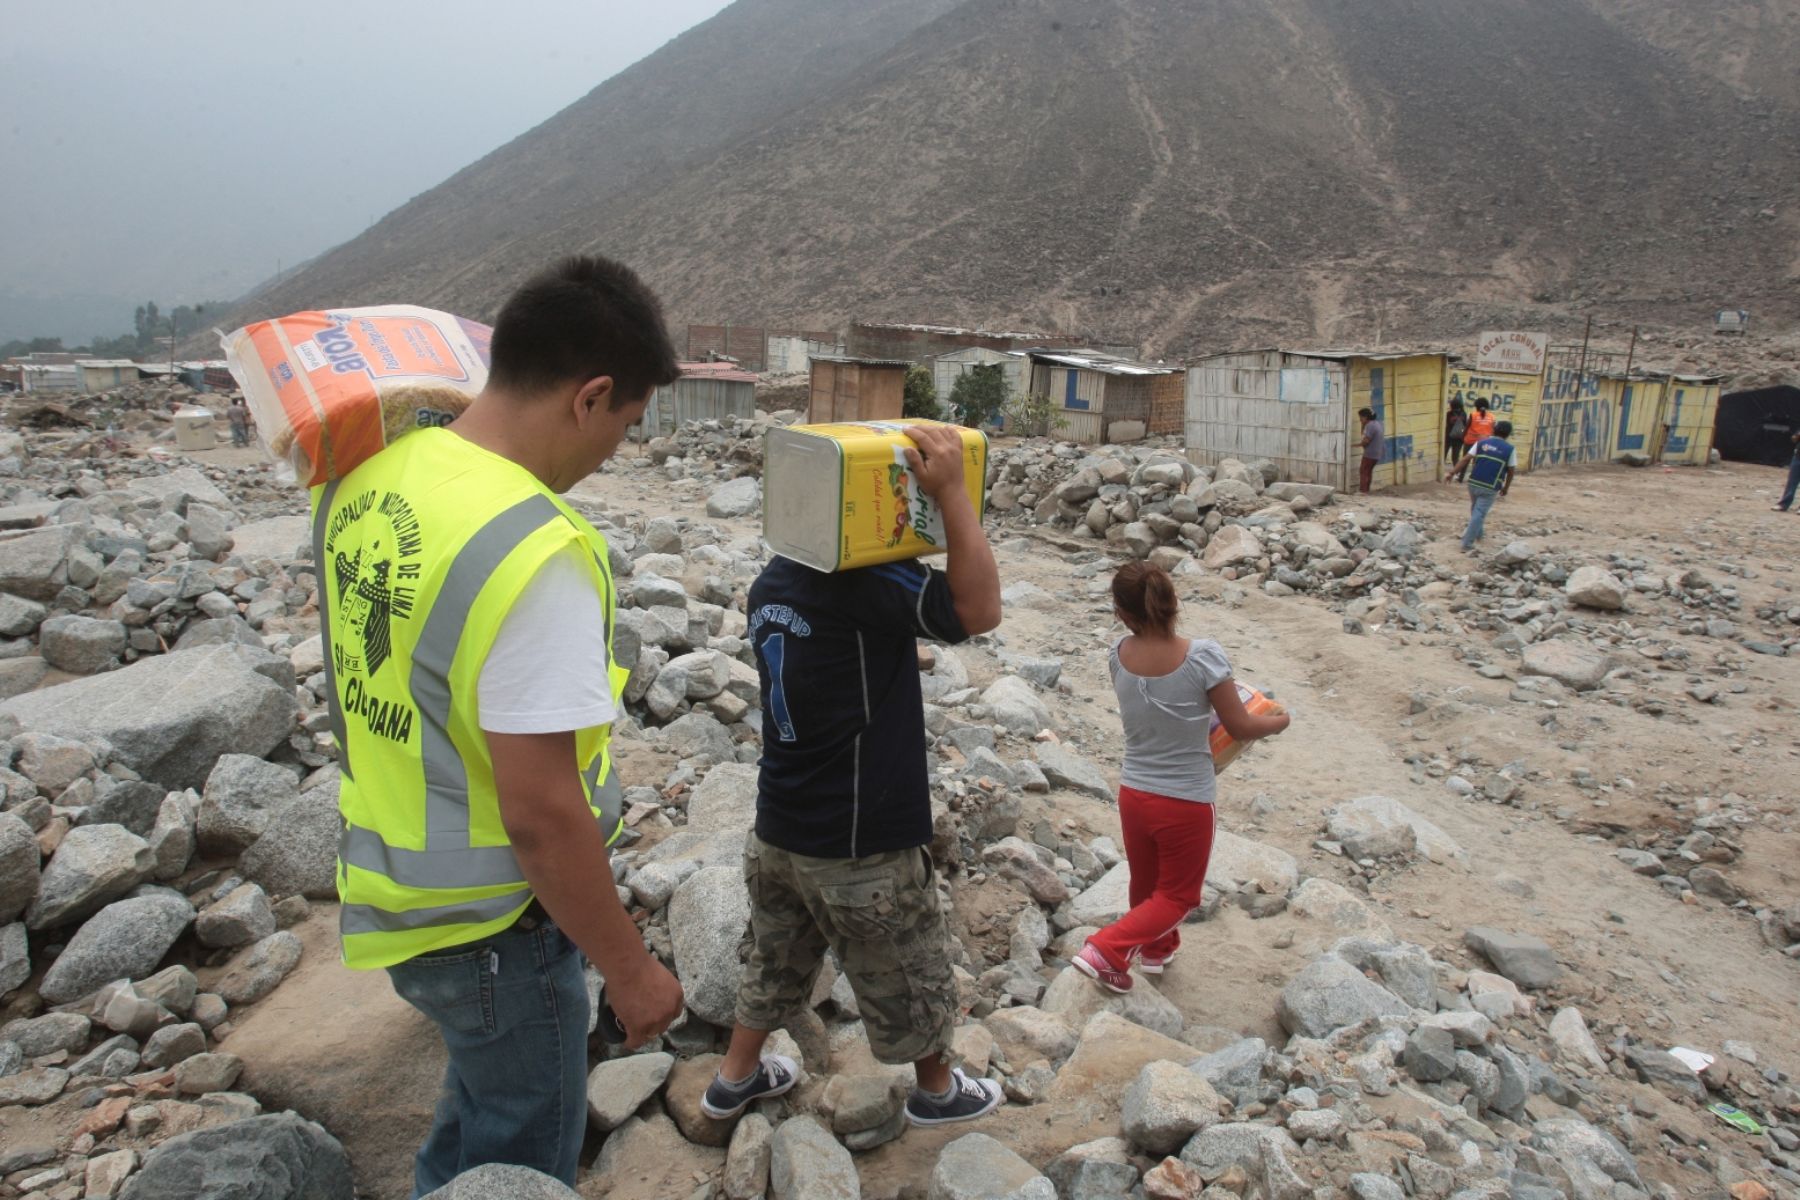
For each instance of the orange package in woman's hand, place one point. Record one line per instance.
(1226, 748)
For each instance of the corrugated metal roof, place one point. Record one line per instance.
(1329, 355)
(1105, 364)
(956, 330)
(104, 362)
(861, 362)
(1708, 378)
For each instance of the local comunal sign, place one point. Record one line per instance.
(1514, 353)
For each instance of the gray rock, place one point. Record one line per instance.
(33, 1087)
(130, 803)
(169, 717)
(175, 988)
(617, 1088)
(125, 940)
(707, 918)
(1232, 545)
(1527, 961)
(1576, 1144)
(1661, 1067)
(231, 630)
(208, 534)
(807, 1163)
(51, 762)
(1236, 1071)
(1575, 665)
(1016, 706)
(94, 865)
(1405, 969)
(297, 852)
(95, 1061)
(1097, 1170)
(862, 1103)
(1595, 587)
(725, 801)
(746, 1174)
(238, 918)
(204, 1074)
(173, 1044)
(1329, 993)
(1316, 494)
(1263, 1151)
(48, 1034)
(21, 675)
(18, 866)
(503, 1181)
(1066, 769)
(81, 645)
(278, 1156)
(1569, 1033)
(1165, 1105)
(740, 497)
(20, 617)
(34, 565)
(262, 969)
(1366, 1185)
(1382, 827)
(699, 736)
(1073, 997)
(15, 958)
(977, 1167)
(1316, 1125)
(242, 795)
(12, 1061)
(1430, 1055)
(1017, 860)
(172, 837)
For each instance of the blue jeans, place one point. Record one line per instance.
(513, 1012)
(1787, 497)
(1479, 503)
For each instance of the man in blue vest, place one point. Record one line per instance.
(1490, 465)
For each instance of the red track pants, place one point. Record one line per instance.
(1168, 843)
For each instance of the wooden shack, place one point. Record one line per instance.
(847, 388)
(1100, 397)
(1298, 408)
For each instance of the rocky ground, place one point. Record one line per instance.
(1533, 828)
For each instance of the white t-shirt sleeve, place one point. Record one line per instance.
(547, 670)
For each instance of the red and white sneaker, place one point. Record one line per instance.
(1093, 964)
(1153, 964)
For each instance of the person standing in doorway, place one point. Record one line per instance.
(1374, 445)
(238, 416)
(1456, 424)
(838, 857)
(1786, 503)
(1481, 424)
(468, 613)
(1490, 467)
(1168, 687)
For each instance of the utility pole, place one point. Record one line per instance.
(1581, 370)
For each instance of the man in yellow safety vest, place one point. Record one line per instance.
(467, 613)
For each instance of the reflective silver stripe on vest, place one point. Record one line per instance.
(471, 866)
(321, 572)
(446, 778)
(366, 918)
(608, 797)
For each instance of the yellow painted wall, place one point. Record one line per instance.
(1577, 421)
(1511, 397)
(1688, 413)
(1407, 395)
(1640, 403)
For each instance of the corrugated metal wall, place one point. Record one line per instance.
(1689, 411)
(1512, 398)
(947, 368)
(1407, 395)
(1283, 407)
(695, 399)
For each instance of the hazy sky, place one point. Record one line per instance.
(180, 152)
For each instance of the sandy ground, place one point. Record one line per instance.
(340, 1047)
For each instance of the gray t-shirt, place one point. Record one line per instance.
(1168, 723)
(1377, 436)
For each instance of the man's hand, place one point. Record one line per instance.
(938, 462)
(646, 1002)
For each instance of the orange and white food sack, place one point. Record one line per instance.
(1226, 748)
(329, 389)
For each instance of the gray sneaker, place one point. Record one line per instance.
(776, 1075)
(968, 1099)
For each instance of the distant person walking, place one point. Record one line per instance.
(1490, 467)
(1786, 503)
(1374, 445)
(1481, 424)
(1456, 424)
(239, 417)
(1168, 687)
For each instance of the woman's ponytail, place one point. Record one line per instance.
(1145, 596)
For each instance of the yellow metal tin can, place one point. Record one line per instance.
(837, 497)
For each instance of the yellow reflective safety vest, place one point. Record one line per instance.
(421, 553)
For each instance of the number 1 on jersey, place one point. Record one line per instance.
(774, 650)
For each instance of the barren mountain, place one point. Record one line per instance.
(1181, 173)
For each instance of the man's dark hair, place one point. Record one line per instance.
(584, 317)
(1481, 402)
(1367, 414)
(1502, 429)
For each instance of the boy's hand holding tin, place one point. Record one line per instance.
(937, 464)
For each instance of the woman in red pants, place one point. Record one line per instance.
(1169, 687)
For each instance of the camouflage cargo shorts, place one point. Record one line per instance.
(880, 915)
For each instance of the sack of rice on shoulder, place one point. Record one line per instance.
(330, 389)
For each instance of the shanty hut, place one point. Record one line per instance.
(1099, 397)
(948, 367)
(100, 374)
(846, 388)
(705, 391)
(1299, 408)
